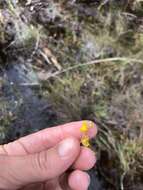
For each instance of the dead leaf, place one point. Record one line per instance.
(1, 17)
(52, 58)
(28, 2)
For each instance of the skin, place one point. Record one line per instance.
(51, 159)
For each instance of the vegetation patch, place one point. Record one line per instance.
(87, 61)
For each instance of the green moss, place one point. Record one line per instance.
(6, 117)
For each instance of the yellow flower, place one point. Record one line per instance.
(85, 141)
(91, 124)
(84, 127)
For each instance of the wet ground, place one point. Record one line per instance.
(26, 108)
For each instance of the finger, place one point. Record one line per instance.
(86, 159)
(53, 184)
(35, 186)
(79, 180)
(49, 185)
(45, 139)
(39, 167)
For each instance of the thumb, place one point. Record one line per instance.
(22, 170)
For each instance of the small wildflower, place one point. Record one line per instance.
(84, 127)
(91, 124)
(85, 141)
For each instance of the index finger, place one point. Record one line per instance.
(46, 138)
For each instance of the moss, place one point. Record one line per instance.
(6, 117)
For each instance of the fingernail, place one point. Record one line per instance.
(88, 177)
(86, 183)
(65, 147)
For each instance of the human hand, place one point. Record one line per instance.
(51, 159)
